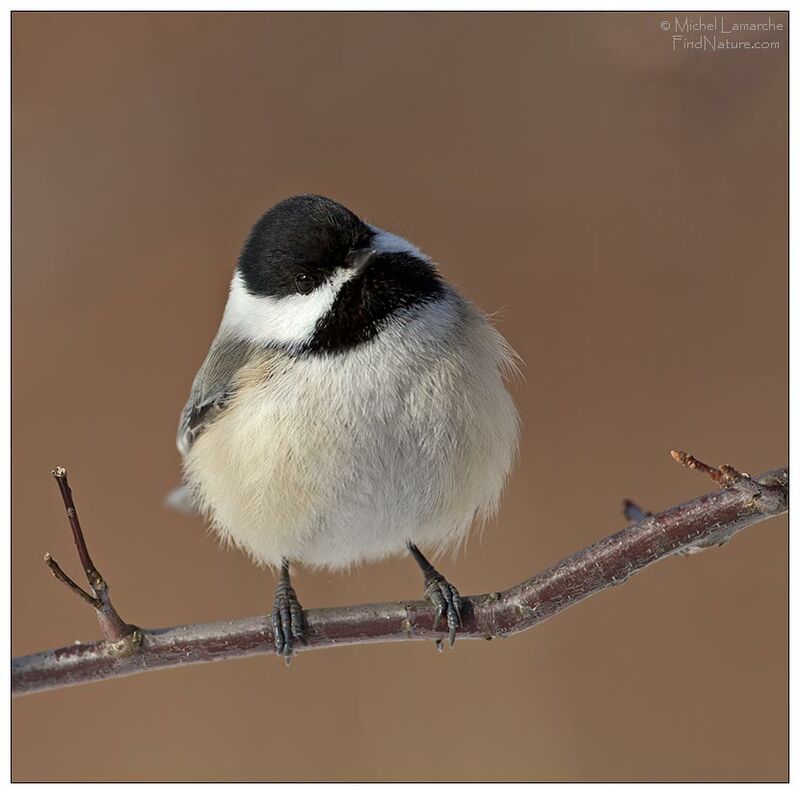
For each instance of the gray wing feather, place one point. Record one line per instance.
(212, 388)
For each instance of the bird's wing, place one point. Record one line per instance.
(212, 388)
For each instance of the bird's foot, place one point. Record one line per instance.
(446, 600)
(287, 617)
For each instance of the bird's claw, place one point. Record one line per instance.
(447, 602)
(287, 621)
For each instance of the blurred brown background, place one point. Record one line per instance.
(621, 205)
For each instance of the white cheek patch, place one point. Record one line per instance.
(285, 321)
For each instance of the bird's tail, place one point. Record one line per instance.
(181, 499)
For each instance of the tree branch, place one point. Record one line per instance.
(707, 521)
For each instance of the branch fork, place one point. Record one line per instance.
(121, 637)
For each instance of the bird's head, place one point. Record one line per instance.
(314, 277)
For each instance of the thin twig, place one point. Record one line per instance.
(708, 520)
(724, 475)
(92, 574)
(633, 512)
(117, 632)
(62, 577)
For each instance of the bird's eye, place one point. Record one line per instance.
(304, 283)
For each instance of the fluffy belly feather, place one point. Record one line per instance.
(335, 460)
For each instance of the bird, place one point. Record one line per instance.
(352, 407)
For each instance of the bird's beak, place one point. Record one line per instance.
(359, 258)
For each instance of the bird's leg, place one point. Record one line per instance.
(444, 597)
(287, 616)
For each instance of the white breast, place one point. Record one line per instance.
(334, 460)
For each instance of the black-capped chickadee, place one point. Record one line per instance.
(352, 406)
